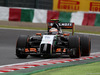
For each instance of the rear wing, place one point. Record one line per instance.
(63, 26)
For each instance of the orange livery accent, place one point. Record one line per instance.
(64, 50)
(38, 34)
(66, 34)
(58, 50)
(33, 50)
(26, 50)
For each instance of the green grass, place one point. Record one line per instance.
(91, 32)
(80, 31)
(17, 27)
(86, 69)
(31, 28)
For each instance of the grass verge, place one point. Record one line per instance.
(31, 28)
(17, 27)
(86, 69)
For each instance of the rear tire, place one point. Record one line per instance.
(21, 43)
(85, 45)
(74, 43)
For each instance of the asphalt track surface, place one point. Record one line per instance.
(8, 39)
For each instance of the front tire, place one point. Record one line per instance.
(74, 43)
(35, 55)
(85, 43)
(21, 43)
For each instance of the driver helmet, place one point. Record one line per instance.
(54, 30)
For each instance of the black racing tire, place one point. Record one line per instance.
(85, 45)
(74, 43)
(21, 43)
(35, 55)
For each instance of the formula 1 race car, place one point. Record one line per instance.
(54, 42)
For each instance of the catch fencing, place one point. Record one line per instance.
(38, 4)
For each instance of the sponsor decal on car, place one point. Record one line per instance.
(47, 39)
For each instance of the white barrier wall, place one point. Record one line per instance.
(44, 16)
(4, 13)
(77, 18)
(40, 16)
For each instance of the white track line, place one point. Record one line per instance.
(25, 62)
(42, 60)
(24, 65)
(21, 29)
(95, 53)
(46, 30)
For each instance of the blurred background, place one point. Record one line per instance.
(81, 12)
(39, 4)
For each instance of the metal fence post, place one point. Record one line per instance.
(36, 4)
(6, 3)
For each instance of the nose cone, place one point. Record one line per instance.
(45, 48)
